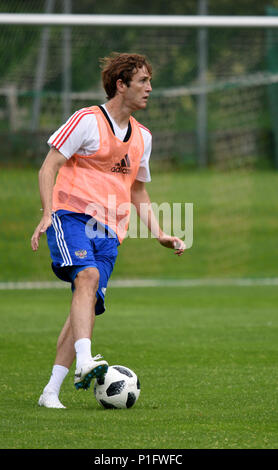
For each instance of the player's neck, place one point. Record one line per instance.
(119, 112)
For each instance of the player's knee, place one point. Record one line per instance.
(88, 278)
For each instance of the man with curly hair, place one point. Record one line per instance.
(101, 159)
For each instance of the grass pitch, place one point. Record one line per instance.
(235, 228)
(206, 358)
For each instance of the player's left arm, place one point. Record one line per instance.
(141, 201)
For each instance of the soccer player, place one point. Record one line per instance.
(101, 155)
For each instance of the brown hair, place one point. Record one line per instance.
(121, 66)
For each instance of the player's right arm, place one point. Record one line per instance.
(47, 174)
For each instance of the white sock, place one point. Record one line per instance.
(57, 377)
(83, 351)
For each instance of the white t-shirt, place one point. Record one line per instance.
(80, 135)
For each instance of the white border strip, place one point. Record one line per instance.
(139, 20)
(127, 283)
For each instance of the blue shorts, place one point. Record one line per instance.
(73, 248)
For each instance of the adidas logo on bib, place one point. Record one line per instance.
(123, 166)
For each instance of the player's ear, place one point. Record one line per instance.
(120, 85)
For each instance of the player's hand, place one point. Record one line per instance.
(173, 242)
(45, 222)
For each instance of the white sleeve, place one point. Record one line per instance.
(143, 173)
(78, 135)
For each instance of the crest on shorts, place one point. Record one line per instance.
(81, 254)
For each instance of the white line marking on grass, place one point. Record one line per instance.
(126, 283)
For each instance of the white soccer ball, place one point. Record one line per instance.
(119, 388)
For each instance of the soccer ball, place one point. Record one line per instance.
(119, 388)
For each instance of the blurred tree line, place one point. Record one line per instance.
(172, 51)
(155, 7)
(175, 64)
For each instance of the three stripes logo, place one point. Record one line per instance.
(122, 167)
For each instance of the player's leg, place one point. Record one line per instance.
(65, 352)
(67, 347)
(82, 318)
(82, 313)
(75, 336)
(105, 252)
(65, 355)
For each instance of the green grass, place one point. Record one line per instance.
(235, 227)
(206, 359)
(206, 356)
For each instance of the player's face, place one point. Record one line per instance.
(138, 91)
